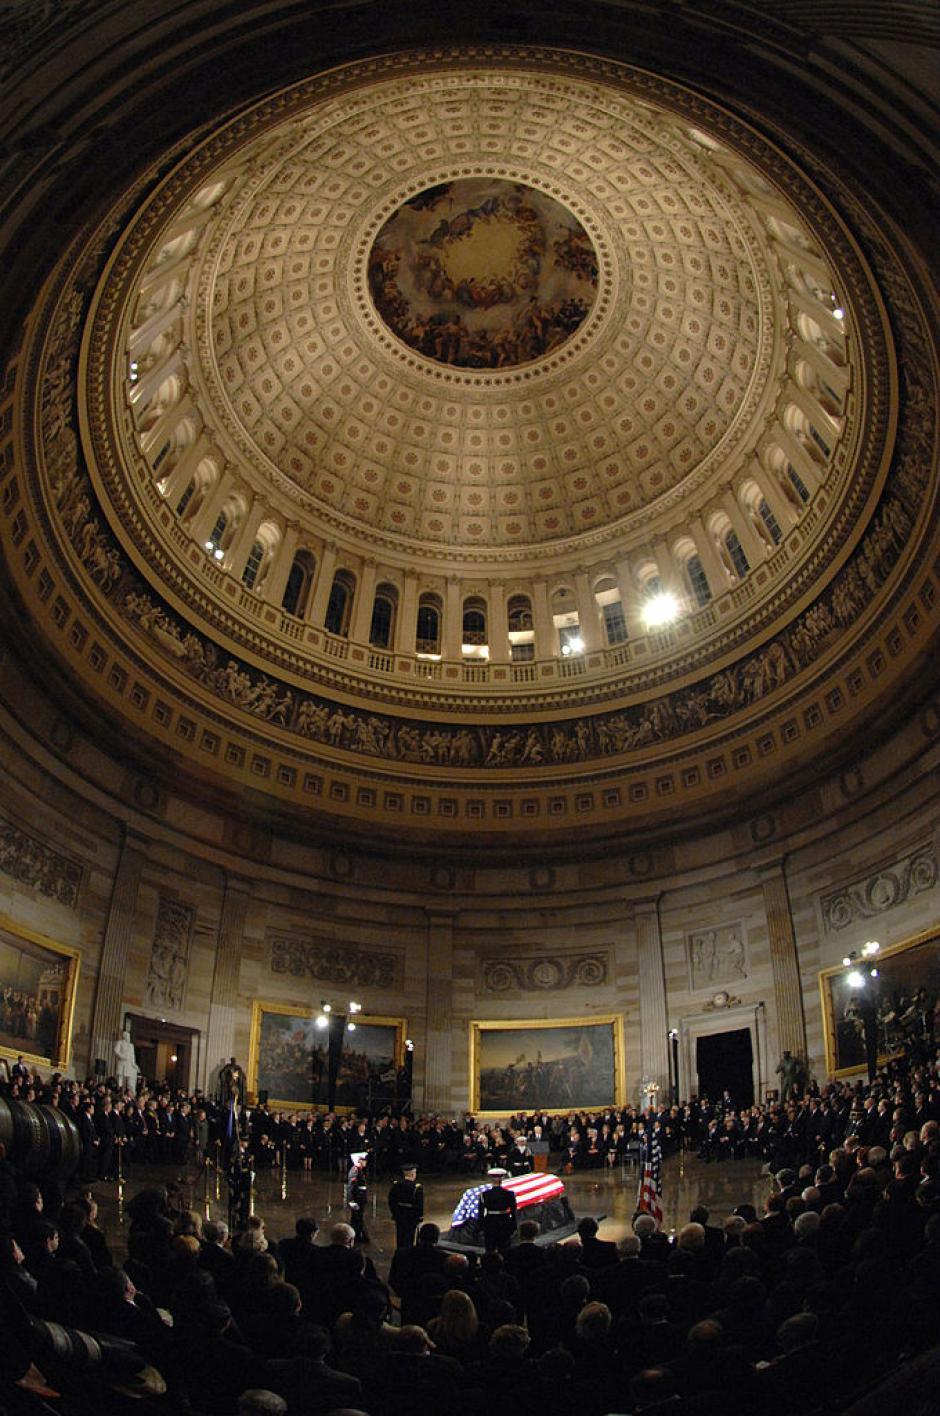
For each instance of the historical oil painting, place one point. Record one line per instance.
(482, 273)
(904, 996)
(289, 1058)
(37, 991)
(559, 1064)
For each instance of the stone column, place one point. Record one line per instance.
(439, 997)
(240, 549)
(589, 620)
(275, 582)
(316, 608)
(208, 514)
(497, 632)
(178, 480)
(654, 1043)
(223, 1004)
(546, 640)
(715, 572)
(452, 630)
(752, 545)
(364, 604)
(784, 964)
(406, 621)
(107, 1018)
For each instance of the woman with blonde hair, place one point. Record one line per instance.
(456, 1332)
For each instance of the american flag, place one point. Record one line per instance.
(528, 1190)
(651, 1188)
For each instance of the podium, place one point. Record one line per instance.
(539, 1151)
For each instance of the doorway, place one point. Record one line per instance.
(164, 1050)
(725, 1062)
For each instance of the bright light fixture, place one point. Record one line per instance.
(661, 609)
(327, 1007)
(856, 979)
(846, 961)
(355, 1007)
(321, 1021)
(871, 947)
(350, 1027)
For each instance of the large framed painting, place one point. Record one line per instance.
(904, 996)
(557, 1064)
(38, 981)
(288, 1058)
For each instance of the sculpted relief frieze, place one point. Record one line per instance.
(34, 864)
(883, 890)
(716, 956)
(548, 973)
(329, 962)
(169, 956)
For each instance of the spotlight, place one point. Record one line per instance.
(409, 1045)
(219, 553)
(856, 979)
(846, 961)
(873, 973)
(355, 1007)
(327, 1007)
(320, 1021)
(871, 947)
(839, 313)
(660, 610)
(350, 1027)
(210, 546)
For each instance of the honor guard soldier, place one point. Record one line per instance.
(240, 1178)
(497, 1213)
(520, 1160)
(357, 1197)
(406, 1202)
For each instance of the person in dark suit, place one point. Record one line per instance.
(406, 1203)
(595, 1253)
(497, 1213)
(411, 1263)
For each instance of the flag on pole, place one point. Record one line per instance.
(651, 1189)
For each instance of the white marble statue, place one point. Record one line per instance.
(126, 1068)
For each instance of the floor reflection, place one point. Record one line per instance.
(687, 1182)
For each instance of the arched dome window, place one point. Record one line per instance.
(339, 605)
(428, 627)
(299, 582)
(474, 622)
(382, 626)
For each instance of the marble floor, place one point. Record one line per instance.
(687, 1182)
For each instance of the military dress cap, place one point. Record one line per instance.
(409, 1170)
(498, 1174)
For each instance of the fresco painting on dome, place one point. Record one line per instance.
(552, 1065)
(482, 273)
(37, 984)
(289, 1059)
(904, 995)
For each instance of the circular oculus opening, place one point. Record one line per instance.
(482, 273)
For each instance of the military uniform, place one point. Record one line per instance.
(520, 1161)
(497, 1214)
(406, 1203)
(357, 1197)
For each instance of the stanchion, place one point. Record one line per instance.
(218, 1170)
(284, 1173)
(251, 1195)
(205, 1187)
(120, 1185)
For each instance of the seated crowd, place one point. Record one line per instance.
(798, 1309)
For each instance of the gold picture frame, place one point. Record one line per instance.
(552, 1084)
(296, 1040)
(38, 988)
(833, 996)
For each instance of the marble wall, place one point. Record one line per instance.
(193, 917)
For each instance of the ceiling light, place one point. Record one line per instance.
(846, 961)
(327, 1007)
(355, 1007)
(660, 610)
(350, 1027)
(871, 947)
(219, 553)
(856, 979)
(320, 1021)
